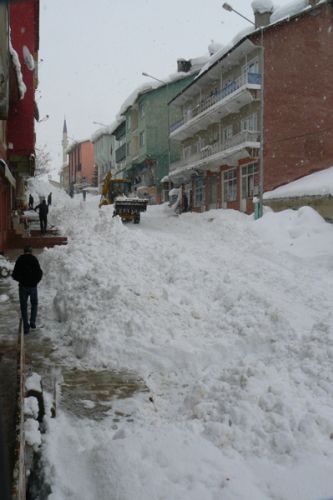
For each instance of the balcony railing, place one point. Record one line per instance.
(225, 148)
(219, 95)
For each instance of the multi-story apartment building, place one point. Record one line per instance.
(6, 188)
(21, 138)
(144, 151)
(81, 164)
(103, 142)
(224, 117)
(19, 43)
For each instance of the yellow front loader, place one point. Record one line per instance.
(117, 192)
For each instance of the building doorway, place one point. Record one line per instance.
(212, 192)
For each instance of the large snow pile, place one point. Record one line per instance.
(228, 321)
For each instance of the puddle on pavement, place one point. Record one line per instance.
(90, 393)
(83, 393)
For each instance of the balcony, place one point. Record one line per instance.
(121, 153)
(214, 155)
(218, 105)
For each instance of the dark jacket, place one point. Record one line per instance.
(27, 270)
(43, 209)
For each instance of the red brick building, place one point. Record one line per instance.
(298, 120)
(222, 126)
(19, 42)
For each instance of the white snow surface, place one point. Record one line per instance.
(262, 6)
(31, 407)
(229, 322)
(32, 434)
(18, 70)
(316, 184)
(33, 382)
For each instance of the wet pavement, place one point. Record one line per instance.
(82, 393)
(9, 325)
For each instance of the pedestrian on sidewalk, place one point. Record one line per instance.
(28, 273)
(43, 211)
(31, 202)
(49, 199)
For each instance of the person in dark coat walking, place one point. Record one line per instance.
(31, 201)
(28, 273)
(49, 199)
(43, 211)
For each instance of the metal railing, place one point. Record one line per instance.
(246, 136)
(219, 95)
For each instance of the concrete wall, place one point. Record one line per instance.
(322, 204)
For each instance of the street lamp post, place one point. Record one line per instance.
(153, 77)
(229, 8)
(99, 123)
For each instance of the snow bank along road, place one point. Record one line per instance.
(229, 323)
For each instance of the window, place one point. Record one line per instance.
(230, 185)
(128, 118)
(214, 136)
(187, 150)
(226, 133)
(142, 139)
(250, 180)
(201, 143)
(199, 192)
(250, 123)
(141, 110)
(251, 67)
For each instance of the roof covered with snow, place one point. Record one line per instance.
(197, 64)
(108, 130)
(279, 14)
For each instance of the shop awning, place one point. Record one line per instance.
(7, 173)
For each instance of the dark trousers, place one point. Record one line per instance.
(43, 223)
(24, 293)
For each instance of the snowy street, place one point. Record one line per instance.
(227, 321)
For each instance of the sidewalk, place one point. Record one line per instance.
(9, 325)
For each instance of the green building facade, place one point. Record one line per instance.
(149, 150)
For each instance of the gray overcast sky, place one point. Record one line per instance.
(92, 54)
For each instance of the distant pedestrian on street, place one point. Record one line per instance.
(28, 273)
(43, 211)
(84, 192)
(185, 202)
(49, 199)
(31, 202)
